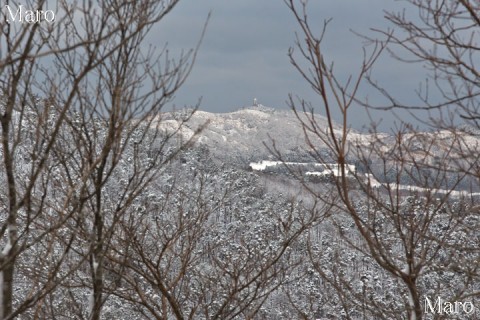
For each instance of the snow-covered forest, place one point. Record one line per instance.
(112, 207)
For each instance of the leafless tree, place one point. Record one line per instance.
(194, 253)
(411, 223)
(80, 96)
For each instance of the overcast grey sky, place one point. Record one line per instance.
(244, 52)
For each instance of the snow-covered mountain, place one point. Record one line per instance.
(246, 134)
(249, 134)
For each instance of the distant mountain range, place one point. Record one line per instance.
(248, 132)
(246, 135)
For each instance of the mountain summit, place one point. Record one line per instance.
(246, 133)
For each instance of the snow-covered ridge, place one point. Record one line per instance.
(244, 133)
(249, 134)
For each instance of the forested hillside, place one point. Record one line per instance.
(116, 204)
(210, 238)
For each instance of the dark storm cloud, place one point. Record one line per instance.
(244, 52)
